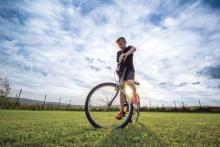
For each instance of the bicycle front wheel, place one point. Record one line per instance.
(100, 112)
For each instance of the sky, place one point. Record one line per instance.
(63, 48)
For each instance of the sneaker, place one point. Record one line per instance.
(119, 115)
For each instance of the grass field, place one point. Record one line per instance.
(54, 128)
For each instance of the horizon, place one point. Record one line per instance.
(65, 48)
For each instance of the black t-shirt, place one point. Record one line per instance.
(128, 63)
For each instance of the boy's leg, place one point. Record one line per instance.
(130, 81)
(122, 100)
(132, 85)
(135, 96)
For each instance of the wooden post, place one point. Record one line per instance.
(59, 104)
(183, 105)
(44, 101)
(18, 98)
(200, 104)
(174, 104)
(68, 107)
(146, 105)
(150, 103)
(70, 103)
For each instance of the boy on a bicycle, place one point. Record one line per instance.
(125, 60)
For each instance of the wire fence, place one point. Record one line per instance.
(33, 96)
(26, 99)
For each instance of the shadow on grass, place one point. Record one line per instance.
(79, 137)
(133, 135)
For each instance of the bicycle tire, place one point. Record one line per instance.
(87, 112)
(136, 114)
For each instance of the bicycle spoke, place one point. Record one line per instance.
(99, 110)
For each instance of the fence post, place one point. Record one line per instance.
(200, 104)
(174, 104)
(18, 98)
(59, 104)
(150, 103)
(44, 101)
(183, 105)
(70, 103)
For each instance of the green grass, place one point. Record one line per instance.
(54, 128)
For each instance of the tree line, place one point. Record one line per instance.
(9, 103)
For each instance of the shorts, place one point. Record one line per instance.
(129, 75)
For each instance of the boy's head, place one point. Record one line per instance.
(121, 42)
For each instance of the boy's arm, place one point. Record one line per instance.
(123, 56)
(131, 51)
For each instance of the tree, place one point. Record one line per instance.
(4, 87)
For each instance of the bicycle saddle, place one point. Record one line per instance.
(136, 83)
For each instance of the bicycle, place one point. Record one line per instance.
(100, 109)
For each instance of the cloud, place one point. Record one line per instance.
(64, 48)
(195, 83)
(211, 71)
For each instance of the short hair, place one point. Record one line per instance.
(120, 38)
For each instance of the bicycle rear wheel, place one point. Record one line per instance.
(136, 109)
(98, 111)
(136, 113)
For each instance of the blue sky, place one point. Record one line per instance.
(64, 48)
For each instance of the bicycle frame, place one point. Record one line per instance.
(119, 83)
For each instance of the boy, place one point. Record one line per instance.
(125, 60)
